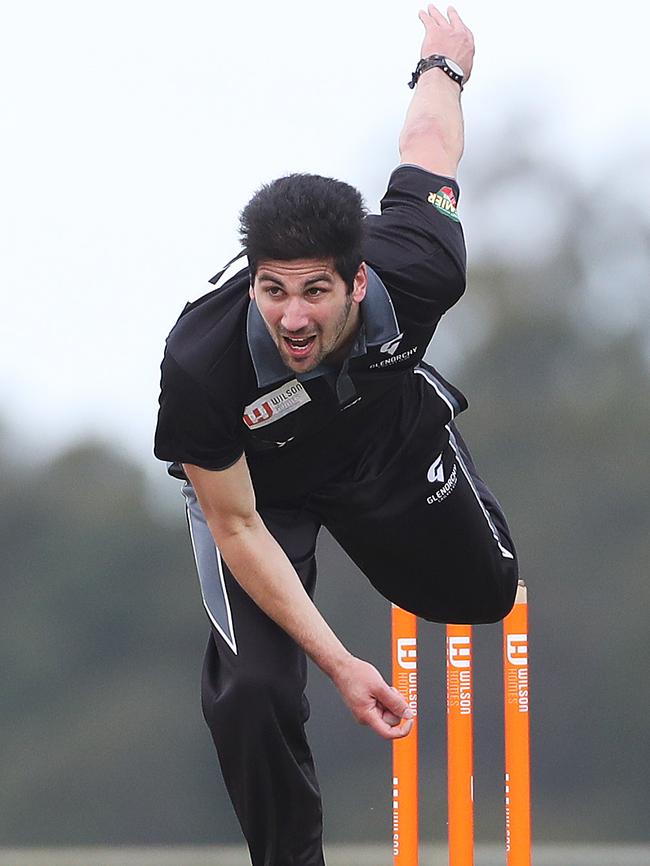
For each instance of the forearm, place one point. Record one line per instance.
(432, 136)
(264, 571)
(433, 128)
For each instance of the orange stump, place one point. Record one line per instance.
(460, 752)
(517, 736)
(405, 751)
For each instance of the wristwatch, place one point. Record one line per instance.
(448, 66)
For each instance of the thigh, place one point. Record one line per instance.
(428, 533)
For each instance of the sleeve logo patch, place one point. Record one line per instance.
(444, 201)
(276, 404)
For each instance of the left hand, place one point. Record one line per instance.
(372, 701)
(451, 38)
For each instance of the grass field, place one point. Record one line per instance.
(351, 855)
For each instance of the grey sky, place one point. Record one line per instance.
(133, 133)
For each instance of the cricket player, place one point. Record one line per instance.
(294, 396)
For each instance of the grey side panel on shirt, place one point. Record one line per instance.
(210, 569)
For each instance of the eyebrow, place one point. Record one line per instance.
(319, 278)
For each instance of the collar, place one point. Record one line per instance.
(379, 324)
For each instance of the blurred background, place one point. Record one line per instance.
(133, 133)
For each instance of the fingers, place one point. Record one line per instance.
(391, 717)
(456, 21)
(437, 16)
(398, 712)
(378, 723)
(434, 15)
(396, 703)
(392, 702)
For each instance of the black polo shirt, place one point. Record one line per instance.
(226, 391)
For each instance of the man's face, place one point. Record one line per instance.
(308, 310)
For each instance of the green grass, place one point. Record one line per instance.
(337, 855)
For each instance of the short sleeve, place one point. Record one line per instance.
(416, 244)
(193, 425)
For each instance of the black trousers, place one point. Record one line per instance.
(430, 537)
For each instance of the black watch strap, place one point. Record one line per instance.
(437, 61)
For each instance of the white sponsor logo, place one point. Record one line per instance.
(517, 649)
(447, 488)
(395, 359)
(390, 347)
(276, 404)
(459, 675)
(459, 652)
(407, 653)
(517, 690)
(436, 471)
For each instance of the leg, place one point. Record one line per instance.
(254, 676)
(428, 533)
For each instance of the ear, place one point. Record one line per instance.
(251, 292)
(360, 283)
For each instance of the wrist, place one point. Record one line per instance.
(435, 79)
(446, 65)
(338, 666)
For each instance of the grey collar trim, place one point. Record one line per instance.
(378, 312)
(379, 326)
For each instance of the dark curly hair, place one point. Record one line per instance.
(305, 216)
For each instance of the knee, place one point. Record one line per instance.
(497, 602)
(483, 594)
(494, 610)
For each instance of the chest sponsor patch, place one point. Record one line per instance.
(444, 201)
(276, 404)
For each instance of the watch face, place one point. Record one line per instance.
(454, 67)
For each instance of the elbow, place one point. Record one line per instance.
(423, 129)
(456, 288)
(451, 283)
(230, 529)
(230, 526)
(429, 143)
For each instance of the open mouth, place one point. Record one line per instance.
(299, 347)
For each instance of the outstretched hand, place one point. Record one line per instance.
(447, 36)
(372, 701)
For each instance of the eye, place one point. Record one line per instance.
(315, 291)
(273, 291)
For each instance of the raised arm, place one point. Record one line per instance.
(432, 136)
(263, 570)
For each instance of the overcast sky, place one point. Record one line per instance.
(133, 133)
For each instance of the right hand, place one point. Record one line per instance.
(372, 701)
(451, 38)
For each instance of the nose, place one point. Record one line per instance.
(294, 315)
